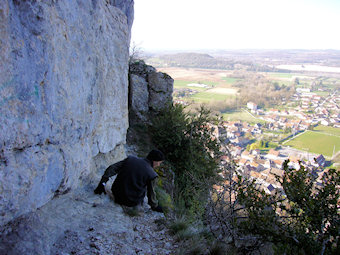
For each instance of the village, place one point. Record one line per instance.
(264, 163)
(311, 109)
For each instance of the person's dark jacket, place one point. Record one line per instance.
(135, 176)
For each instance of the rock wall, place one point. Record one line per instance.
(149, 91)
(63, 96)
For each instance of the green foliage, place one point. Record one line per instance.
(185, 234)
(187, 141)
(227, 215)
(258, 209)
(313, 208)
(261, 144)
(164, 199)
(303, 219)
(164, 188)
(178, 225)
(256, 88)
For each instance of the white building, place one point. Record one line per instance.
(252, 106)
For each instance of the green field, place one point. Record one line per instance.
(242, 116)
(184, 84)
(316, 142)
(181, 83)
(205, 97)
(328, 130)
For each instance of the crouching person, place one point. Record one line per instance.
(135, 177)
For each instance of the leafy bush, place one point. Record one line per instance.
(187, 141)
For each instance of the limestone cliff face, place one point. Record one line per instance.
(149, 91)
(63, 96)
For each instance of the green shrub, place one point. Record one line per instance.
(184, 234)
(178, 225)
(308, 219)
(164, 199)
(187, 141)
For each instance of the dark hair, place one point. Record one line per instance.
(155, 155)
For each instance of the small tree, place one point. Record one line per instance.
(135, 53)
(234, 208)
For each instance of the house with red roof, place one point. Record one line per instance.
(273, 154)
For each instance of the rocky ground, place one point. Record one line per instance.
(84, 223)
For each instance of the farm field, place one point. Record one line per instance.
(184, 84)
(230, 80)
(242, 116)
(207, 96)
(219, 86)
(193, 75)
(328, 130)
(316, 142)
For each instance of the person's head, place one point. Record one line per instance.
(156, 157)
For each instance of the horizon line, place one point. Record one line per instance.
(238, 49)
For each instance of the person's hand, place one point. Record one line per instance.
(158, 208)
(100, 189)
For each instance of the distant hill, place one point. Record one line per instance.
(277, 57)
(206, 61)
(251, 60)
(197, 60)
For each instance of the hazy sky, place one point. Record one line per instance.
(237, 24)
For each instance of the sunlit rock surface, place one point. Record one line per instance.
(63, 96)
